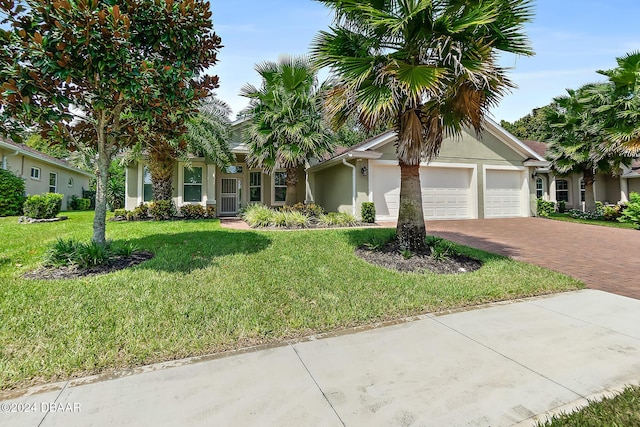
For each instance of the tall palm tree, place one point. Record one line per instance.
(427, 67)
(624, 130)
(286, 128)
(579, 123)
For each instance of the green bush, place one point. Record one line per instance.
(338, 219)
(368, 212)
(545, 208)
(122, 213)
(11, 193)
(632, 212)
(211, 211)
(79, 204)
(562, 206)
(598, 214)
(43, 206)
(257, 215)
(612, 213)
(91, 195)
(311, 210)
(66, 252)
(192, 211)
(162, 210)
(138, 213)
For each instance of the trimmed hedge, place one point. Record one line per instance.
(368, 212)
(79, 204)
(43, 206)
(11, 193)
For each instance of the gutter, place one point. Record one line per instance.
(353, 183)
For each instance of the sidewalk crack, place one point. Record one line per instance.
(54, 401)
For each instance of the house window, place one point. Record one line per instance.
(53, 182)
(582, 193)
(193, 184)
(539, 188)
(70, 182)
(562, 190)
(255, 186)
(279, 187)
(147, 186)
(233, 169)
(35, 173)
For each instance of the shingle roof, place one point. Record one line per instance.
(537, 146)
(40, 155)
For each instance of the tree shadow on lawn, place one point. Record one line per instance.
(185, 252)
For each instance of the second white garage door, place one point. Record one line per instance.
(446, 192)
(503, 194)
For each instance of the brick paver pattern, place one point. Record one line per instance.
(603, 258)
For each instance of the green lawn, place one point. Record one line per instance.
(622, 410)
(210, 289)
(615, 224)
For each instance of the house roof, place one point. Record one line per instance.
(537, 146)
(31, 152)
(366, 149)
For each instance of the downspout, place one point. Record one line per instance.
(4, 159)
(353, 182)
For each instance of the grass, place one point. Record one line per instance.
(210, 289)
(621, 410)
(615, 224)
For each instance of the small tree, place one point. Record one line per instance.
(11, 193)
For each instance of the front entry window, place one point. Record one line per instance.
(539, 188)
(193, 184)
(255, 186)
(147, 185)
(280, 187)
(562, 190)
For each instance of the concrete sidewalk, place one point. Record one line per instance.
(495, 366)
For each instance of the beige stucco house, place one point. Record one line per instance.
(489, 176)
(42, 173)
(608, 189)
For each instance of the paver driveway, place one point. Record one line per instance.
(602, 257)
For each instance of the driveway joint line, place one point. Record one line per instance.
(509, 358)
(54, 401)
(317, 385)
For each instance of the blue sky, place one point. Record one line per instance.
(572, 39)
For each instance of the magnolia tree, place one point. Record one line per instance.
(94, 74)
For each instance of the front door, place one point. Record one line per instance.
(229, 196)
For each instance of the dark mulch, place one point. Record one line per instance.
(73, 272)
(390, 256)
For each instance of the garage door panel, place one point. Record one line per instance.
(503, 194)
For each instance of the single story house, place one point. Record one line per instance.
(609, 189)
(42, 173)
(475, 176)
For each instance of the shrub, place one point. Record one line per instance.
(311, 210)
(545, 208)
(632, 212)
(575, 213)
(79, 204)
(62, 252)
(210, 211)
(338, 219)
(257, 215)
(91, 195)
(140, 212)
(612, 213)
(562, 206)
(440, 248)
(84, 255)
(368, 212)
(162, 210)
(11, 193)
(296, 219)
(43, 206)
(122, 213)
(192, 211)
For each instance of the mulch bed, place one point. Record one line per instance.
(73, 272)
(390, 256)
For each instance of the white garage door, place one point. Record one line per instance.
(446, 192)
(503, 195)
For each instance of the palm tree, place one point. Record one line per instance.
(207, 135)
(624, 130)
(579, 122)
(427, 67)
(286, 128)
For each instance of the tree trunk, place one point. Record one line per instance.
(102, 178)
(589, 199)
(411, 231)
(161, 166)
(292, 187)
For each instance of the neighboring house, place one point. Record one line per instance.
(608, 189)
(473, 177)
(42, 173)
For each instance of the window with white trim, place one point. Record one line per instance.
(53, 182)
(147, 187)
(35, 173)
(279, 187)
(539, 188)
(582, 192)
(255, 186)
(193, 184)
(562, 190)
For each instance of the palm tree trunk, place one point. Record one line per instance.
(292, 187)
(410, 231)
(589, 199)
(161, 166)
